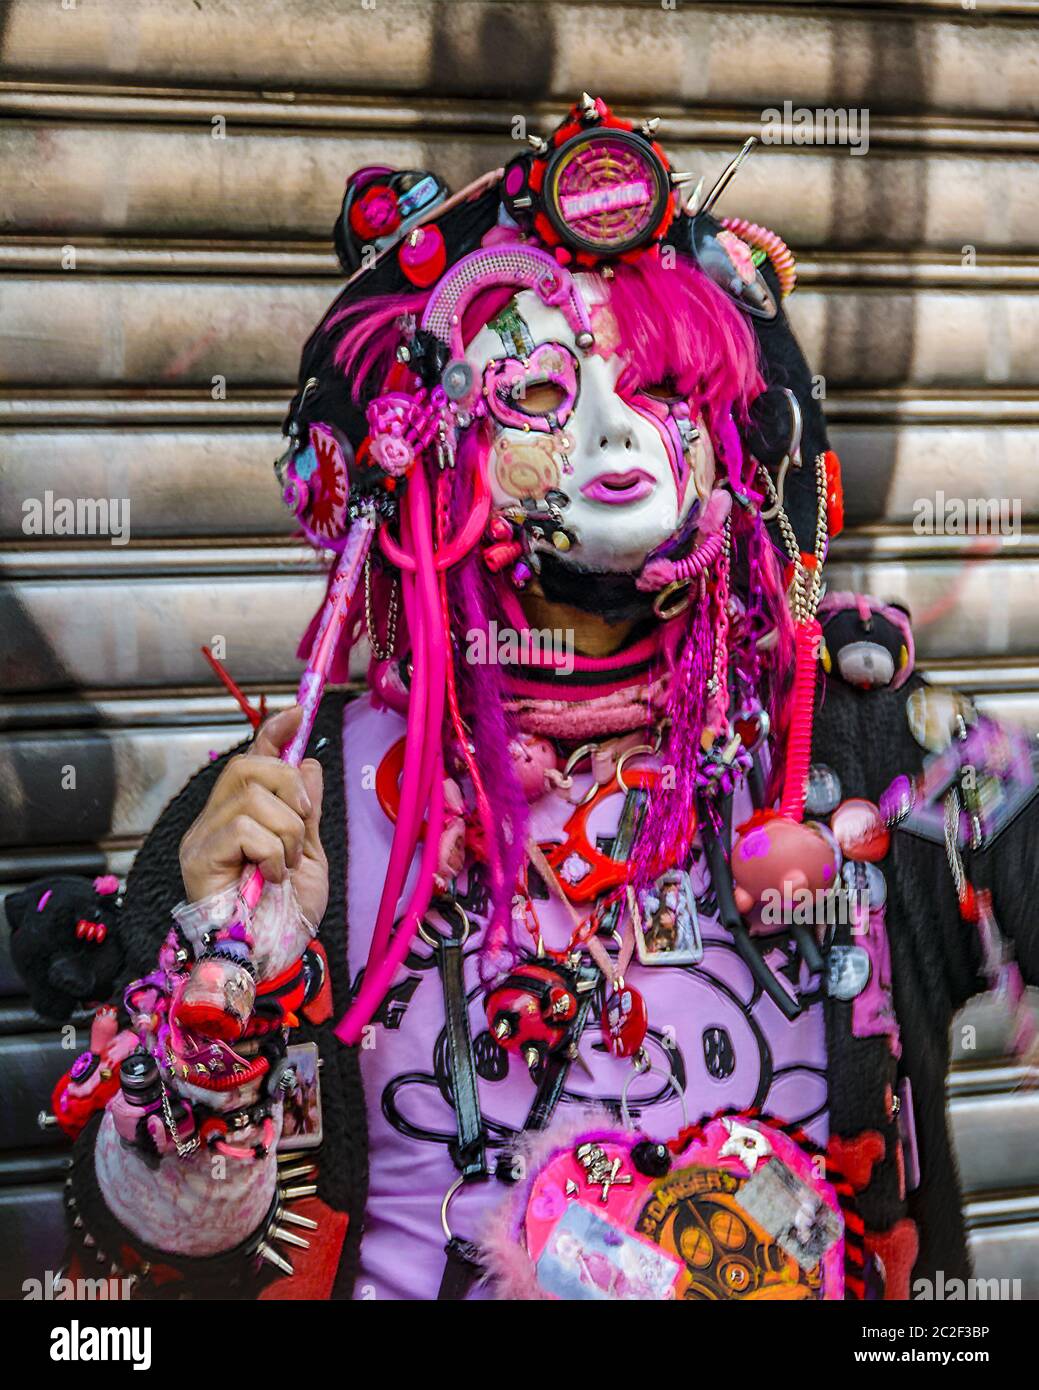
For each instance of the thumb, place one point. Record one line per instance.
(274, 733)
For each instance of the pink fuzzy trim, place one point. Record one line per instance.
(503, 1252)
(619, 712)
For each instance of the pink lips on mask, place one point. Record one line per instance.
(618, 489)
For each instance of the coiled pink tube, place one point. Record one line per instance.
(423, 736)
(774, 246)
(799, 740)
(425, 720)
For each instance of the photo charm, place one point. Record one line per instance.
(667, 929)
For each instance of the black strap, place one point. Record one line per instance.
(732, 920)
(553, 1077)
(469, 1151)
(461, 1270)
(627, 828)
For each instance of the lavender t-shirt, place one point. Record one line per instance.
(727, 1045)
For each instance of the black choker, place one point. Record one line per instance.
(610, 596)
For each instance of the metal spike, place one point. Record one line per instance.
(693, 202)
(88, 1240)
(273, 1258)
(679, 179)
(295, 1219)
(78, 1223)
(588, 110)
(649, 128)
(290, 1238)
(306, 1190)
(727, 175)
(295, 1157)
(574, 1053)
(524, 202)
(537, 144)
(300, 1172)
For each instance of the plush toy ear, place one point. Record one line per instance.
(18, 905)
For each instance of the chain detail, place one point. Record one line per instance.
(952, 849)
(380, 651)
(183, 1150)
(807, 587)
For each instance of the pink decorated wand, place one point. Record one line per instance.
(218, 998)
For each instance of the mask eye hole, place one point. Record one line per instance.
(542, 397)
(664, 390)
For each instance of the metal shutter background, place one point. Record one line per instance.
(199, 257)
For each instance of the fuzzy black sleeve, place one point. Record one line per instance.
(154, 885)
(1009, 868)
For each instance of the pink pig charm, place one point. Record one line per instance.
(775, 858)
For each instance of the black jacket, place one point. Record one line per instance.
(865, 739)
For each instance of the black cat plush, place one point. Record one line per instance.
(65, 942)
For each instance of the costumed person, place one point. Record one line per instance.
(607, 946)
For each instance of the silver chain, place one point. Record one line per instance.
(183, 1150)
(807, 591)
(379, 651)
(952, 848)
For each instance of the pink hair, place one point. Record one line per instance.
(673, 324)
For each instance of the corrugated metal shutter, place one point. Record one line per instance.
(171, 172)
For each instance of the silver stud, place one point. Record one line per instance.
(290, 1238)
(294, 1219)
(272, 1257)
(537, 144)
(301, 1172)
(306, 1190)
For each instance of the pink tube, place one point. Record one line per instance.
(378, 977)
(459, 545)
(425, 716)
(349, 569)
(412, 807)
(429, 650)
(799, 739)
(482, 804)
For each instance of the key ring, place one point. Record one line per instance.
(434, 939)
(601, 872)
(651, 1070)
(674, 599)
(639, 749)
(448, 1195)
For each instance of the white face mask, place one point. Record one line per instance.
(627, 489)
